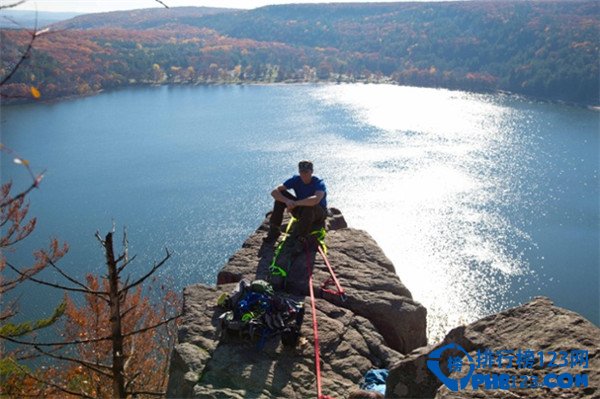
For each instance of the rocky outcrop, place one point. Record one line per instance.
(372, 328)
(537, 325)
(377, 326)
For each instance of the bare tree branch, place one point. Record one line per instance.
(10, 284)
(60, 388)
(11, 308)
(12, 20)
(24, 56)
(162, 323)
(27, 229)
(99, 237)
(58, 269)
(87, 341)
(92, 366)
(127, 262)
(36, 179)
(152, 271)
(8, 314)
(30, 355)
(36, 182)
(125, 245)
(123, 314)
(131, 379)
(160, 2)
(3, 7)
(123, 295)
(100, 294)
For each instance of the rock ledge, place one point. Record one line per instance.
(377, 324)
(537, 325)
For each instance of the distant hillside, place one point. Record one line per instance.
(547, 49)
(148, 18)
(14, 19)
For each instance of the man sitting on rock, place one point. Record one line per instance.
(309, 205)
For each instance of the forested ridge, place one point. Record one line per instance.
(547, 49)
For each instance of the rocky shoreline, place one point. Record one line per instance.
(379, 325)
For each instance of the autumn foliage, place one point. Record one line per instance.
(16, 227)
(544, 49)
(82, 363)
(147, 353)
(113, 342)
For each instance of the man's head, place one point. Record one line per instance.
(305, 168)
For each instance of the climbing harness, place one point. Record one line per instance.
(320, 237)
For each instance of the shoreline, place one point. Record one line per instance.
(54, 100)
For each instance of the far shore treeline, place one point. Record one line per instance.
(544, 49)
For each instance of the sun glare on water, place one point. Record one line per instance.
(429, 183)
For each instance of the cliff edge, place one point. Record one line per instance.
(374, 327)
(378, 326)
(502, 341)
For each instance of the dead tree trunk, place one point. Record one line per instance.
(118, 362)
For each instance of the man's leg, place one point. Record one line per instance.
(277, 218)
(306, 217)
(320, 216)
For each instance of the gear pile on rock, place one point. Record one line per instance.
(255, 311)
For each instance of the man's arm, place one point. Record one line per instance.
(278, 196)
(310, 201)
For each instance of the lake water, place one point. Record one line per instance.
(480, 201)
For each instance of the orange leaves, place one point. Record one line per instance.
(484, 78)
(55, 252)
(146, 353)
(13, 213)
(35, 92)
(19, 381)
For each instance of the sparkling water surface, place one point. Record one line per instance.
(480, 201)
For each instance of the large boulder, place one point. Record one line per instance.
(537, 325)
(372, 328)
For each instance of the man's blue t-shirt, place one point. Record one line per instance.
(306, 190)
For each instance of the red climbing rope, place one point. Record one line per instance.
(315, 329)
(332, 279)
